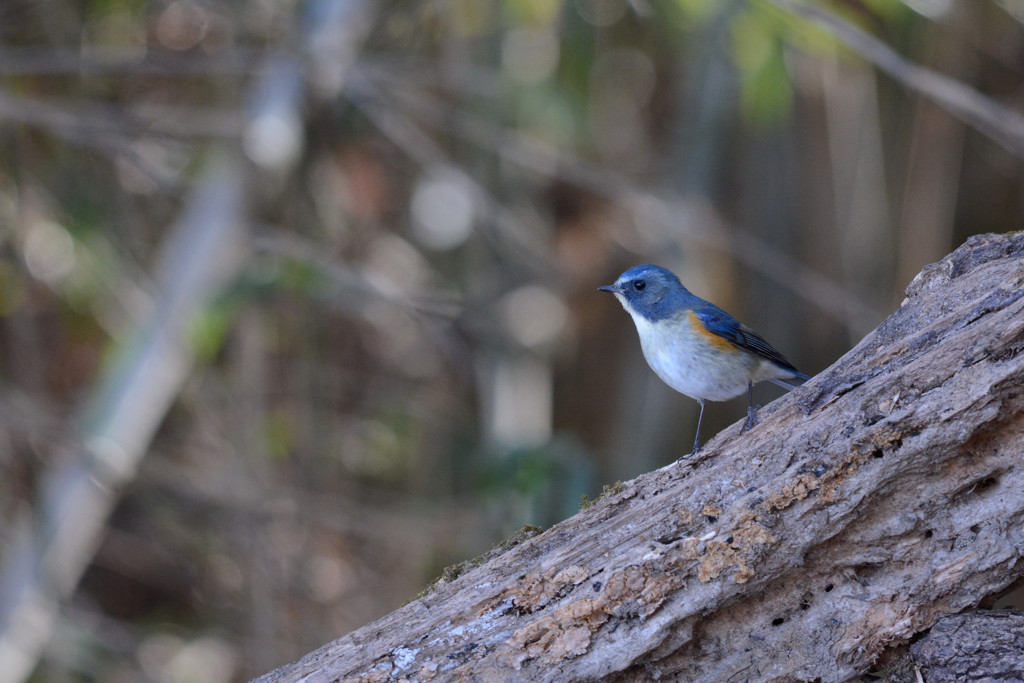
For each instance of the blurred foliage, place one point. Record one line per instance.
(413, 361)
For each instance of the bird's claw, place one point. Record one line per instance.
(751, 420)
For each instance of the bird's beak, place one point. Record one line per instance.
(608, 288)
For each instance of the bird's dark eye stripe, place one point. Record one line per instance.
(639, 284)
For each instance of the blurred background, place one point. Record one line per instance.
(298, 297)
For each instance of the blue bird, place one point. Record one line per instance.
(694, 346)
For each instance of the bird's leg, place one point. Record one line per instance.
(751, 420)
(696, 438)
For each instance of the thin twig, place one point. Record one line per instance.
(350, 279)
(92, 118)
(1003, 125)
(124, 62)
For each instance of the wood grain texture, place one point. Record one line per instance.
(886, 492)
(986, 645)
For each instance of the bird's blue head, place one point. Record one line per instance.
(652, 292)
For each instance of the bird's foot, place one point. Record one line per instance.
(751, 420)
(695, 451)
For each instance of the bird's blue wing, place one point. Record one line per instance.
(719, 322)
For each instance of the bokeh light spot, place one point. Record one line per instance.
(273, 140)
(182, 25)
(442, 212)
(49, 251)
(533, 315)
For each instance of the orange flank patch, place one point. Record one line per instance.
(711, 338)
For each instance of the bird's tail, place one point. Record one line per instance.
(791, 382)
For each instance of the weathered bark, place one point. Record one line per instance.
(984, 645)
(885, 493)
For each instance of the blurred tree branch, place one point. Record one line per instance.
(882, 495)
(664, 219)
(355, 285)
(1002, 124)
(54, 541)
(123, 61)
(54, 544)
(506, 231)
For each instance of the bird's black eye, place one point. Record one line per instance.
(639, 285)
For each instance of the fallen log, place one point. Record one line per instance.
(885, 493)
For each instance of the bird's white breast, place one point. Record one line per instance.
(686, 361)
